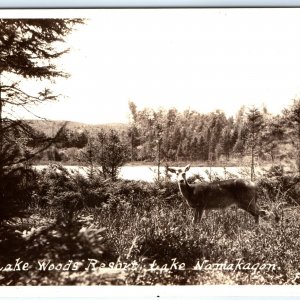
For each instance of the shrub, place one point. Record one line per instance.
(17, 187)
(279, 186)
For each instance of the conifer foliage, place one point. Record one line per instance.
(28, 50)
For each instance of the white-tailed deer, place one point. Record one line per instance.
(218, 195)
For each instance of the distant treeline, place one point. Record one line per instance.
(170, 135)
(193, 136)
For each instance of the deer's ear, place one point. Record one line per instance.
(187, 168)
(171, 170)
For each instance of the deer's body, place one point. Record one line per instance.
(218, 195)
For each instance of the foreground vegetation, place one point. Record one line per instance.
(142, 234)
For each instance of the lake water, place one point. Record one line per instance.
(149, 173)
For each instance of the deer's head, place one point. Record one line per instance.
(180, 173)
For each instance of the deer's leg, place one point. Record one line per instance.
(256, 217)
(198, 212)
(252, 209)
(195, 216)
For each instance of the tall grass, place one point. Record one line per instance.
(125, 222)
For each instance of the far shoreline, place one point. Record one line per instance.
(200, 164)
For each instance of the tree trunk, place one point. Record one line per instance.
(158, 160)
(132, 147)
(252, 164)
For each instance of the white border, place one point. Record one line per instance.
(142, 292)
(145, 3)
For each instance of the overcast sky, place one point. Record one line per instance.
(203, 59)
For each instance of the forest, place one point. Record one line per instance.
(61, 227)
(172, 136)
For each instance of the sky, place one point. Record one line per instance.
(201, 59)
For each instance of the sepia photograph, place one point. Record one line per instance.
(144, 147)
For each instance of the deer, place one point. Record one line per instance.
(218, 195)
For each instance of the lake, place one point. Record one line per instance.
(149, 173)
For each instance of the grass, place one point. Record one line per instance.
(142, 234)
(128, 235)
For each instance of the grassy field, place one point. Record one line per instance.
(88, 232)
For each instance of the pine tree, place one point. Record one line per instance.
(255, 124)
(292, 120)
(114, 155)
(133, 132)
(28, 50)
(225, 142)
(272, 135)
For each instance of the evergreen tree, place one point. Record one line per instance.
(203, 149)
(255, 124)
(225, 142)
(28, 49)
(272, 136)
(133, 132)
(195, 149)
(89, 155)
(114, 155)
(240, 143)
(292, 121)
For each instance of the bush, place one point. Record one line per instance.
(49, 249)
(279, 186)
(17, 187)
(59, 188)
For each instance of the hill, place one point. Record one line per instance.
(50, 127)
